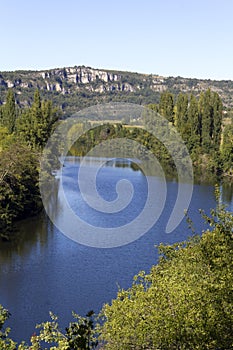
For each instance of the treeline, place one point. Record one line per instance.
(122, 149)
(199, 122)
(184, 302)
(25, 131)
(23, 134)
(201, 125)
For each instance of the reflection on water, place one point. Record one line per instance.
(227, 194)
(43, 270)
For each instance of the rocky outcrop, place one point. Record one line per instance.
(87, 81)
(55, 79)
(81, 75)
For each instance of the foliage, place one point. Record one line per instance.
(19, 192)
(185, 302)
(199, 122)
(21, 142)
(79, 335)
(210, 109)
(9, 113)
(227, 149)
(5, 342)
(108, 131)
(166, 106)
(36, 124)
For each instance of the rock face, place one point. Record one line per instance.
(55, 79)
(87, 82)
(81, 75)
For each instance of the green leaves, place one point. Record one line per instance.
(36, 124)
(19, 191)
(186, 300)
(166, 106)
(9, 113)
(227, 149)
(79, 335)
(21, 143)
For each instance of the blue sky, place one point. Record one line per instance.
(192, 38)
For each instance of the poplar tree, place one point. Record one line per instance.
(195, 123)
(227, 148)
(9, 112)
(217, 120)
(206, 115)
(166, 106)
(181, 116)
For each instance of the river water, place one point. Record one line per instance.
(46, 271)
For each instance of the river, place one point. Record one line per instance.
(46, 271)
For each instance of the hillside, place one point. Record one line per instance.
(74, 88)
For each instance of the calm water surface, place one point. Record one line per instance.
(45, 271)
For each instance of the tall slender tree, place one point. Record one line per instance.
(181, 116)
(166, 106)
(206, 115)
(9, 112)
(195, 123)
(217, 120)
(227, 149)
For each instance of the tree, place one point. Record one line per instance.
(166, 106)
(195, 123)
(79, 335)
(217, 120)
(5, 342)
(206, 115)
(19, 190)
(153, 106)
(181, 117)
(185, 302)
(210, 110)
(227, 149)
(8, 118)
(36, 124)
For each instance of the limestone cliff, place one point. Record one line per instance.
(73, 88)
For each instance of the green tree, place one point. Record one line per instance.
(5, 342)
(166, 106)
(206, 115)
(185, 302)
(79, 335)
(19, 190)
(153, 106)
(227, 149)
(210, 110)
(217, 120)
(195, 123)
(181, 117)
(8, 117)
(36, 124)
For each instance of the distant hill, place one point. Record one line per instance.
(74, 88)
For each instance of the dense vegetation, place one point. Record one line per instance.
(74, 88)
(185, 302)
(201, 125)
(199, 122)
(23, 133)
